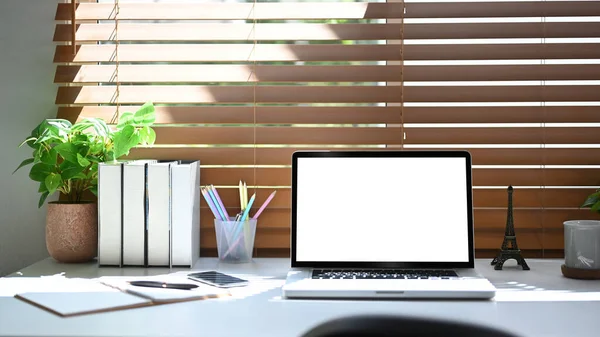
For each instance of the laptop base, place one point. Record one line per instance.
(299, 284)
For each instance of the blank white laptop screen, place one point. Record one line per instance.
(382, 210)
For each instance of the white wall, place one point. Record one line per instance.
(27, 96)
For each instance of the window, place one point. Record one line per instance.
(241, 85)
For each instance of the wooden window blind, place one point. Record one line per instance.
(241, 85)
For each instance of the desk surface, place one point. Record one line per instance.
(535, 303)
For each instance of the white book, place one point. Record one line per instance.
(159, 213)
(185, 214)
(110, 213)
(134, 212)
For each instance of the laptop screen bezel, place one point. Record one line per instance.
(383, 154)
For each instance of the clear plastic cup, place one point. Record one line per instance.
(235, 240)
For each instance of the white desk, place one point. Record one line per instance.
(536, 303)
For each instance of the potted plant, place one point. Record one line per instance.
(65, 159)
(582, 243)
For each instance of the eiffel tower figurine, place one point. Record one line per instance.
(509, 249)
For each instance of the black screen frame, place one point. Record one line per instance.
(383, 154)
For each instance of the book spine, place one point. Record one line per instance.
(146, 210)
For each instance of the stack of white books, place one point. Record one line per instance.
(149, 213)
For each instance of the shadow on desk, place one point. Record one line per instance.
(400, 326)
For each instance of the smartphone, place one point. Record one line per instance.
(217, 279)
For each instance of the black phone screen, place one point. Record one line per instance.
(217, 279)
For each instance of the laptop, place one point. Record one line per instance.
(383, 224)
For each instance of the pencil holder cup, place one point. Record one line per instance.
(235, 240)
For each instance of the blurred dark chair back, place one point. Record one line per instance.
(400, 326)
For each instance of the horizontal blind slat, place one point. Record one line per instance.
(519, 135)
(275, 52)
(228, 32)
(481, 176)
(349, 114)
(529, 198)
(332, 32)
(530, 220)
(269, 238)
(241, 11)
(375, 135)
(294, 73)
(282, 156)
(325, 94)
(233, 11)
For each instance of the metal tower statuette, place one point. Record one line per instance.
(509, 249)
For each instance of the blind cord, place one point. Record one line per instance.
(117, 114)
(255, 80)
(73, 26)
(543, 124)
(403, 133)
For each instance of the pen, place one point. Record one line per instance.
(165, 285)
(264, 205)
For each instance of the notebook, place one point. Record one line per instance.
(75, 297)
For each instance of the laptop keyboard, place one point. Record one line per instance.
(351, 274)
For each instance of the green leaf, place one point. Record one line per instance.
(591, 200)
(42, 199)
(596, 207)
(61, 127)
(37, 154)
(100, 126)
(53, 181)
(54, 129)
(45, 137)
(95, 145)
(151, 136)
(110, 156)
(42, 187)
(80, 175)
(49, 157)
(23, 163)
(145, 116)
(68, 151)
(81, 139)
(93, 159)
(29, 141)
(82, 161)
(40, 171)
(82, 126)
(94, 190)
(147, 135)
(35, 134)
(69, 170)
(124, 140)
(125, 119)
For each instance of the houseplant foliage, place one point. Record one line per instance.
(593, 201)
(65, 156)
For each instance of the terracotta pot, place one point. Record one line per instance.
(72, 231)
